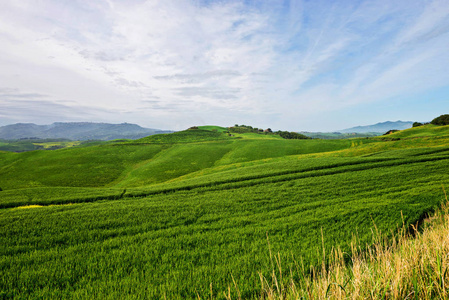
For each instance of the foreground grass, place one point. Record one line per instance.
(178, 243)
(398, 268)
(182, 216)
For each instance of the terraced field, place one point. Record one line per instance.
(192, 213)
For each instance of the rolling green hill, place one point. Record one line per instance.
(213, 128)
(379, 127)
(188, 214)
(428, 130)
(36, 144)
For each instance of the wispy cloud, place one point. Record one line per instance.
(44, 111)
(173, 64)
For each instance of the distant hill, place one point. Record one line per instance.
(338, 135)
(76, 131)
(379, 127)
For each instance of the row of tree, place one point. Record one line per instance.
(440, 121)
(292, 135)
(249, 129)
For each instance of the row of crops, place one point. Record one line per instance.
(210, 228)
(177, 244)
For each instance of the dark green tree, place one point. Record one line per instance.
(292, 135)
(441, 120)
(416, 124)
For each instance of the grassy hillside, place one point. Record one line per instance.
(186, 136)
(213, 128)
(18, 146)
(154, 159)
(36, 144)
(189, 213)
(428, 130)
(93, 166)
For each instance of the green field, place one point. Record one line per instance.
(36, 144)
(185, 215)
(422, 131)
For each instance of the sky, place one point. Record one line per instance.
(172, 64)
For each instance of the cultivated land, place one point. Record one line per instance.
(191, 213)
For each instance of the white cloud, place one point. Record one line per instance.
(432, 22)
(176, 61)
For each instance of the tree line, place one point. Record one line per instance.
(249, 129)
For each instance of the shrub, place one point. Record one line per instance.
(243, 129)
(416, 124)
(292, 135)
(441, 120)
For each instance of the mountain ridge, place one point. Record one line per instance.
(380, 127)
(77, 131)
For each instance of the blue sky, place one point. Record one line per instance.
(288, 65)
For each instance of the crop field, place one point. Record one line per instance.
(195, 213)
(36, 144)
(57, 145)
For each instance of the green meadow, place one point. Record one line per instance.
(196, 214)
(36, 144)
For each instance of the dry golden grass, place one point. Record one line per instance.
(408, 266)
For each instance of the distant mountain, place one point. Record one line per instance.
(76, 131)
(338, 135)
(379, 127)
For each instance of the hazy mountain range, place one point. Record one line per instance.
(379, 127)
(76, 131)
(104, 131)
(360, 131)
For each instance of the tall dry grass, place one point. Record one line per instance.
(409, 265)
(404, 267)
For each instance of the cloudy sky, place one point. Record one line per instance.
(171, 64)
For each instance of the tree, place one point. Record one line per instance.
(416, 124)
(292, 135)
(441, 120)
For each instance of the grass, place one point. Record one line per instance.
(213, 128)
(186, 136)
(185, 217)
(144, 163)
(94, 166)
(428, 130)
(57, 145)
(404, 267)
(36, 144)
(18, 146)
